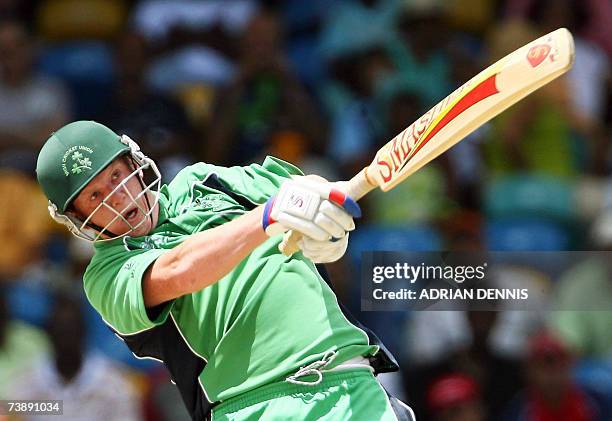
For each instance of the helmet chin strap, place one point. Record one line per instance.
(99, 229)
(146, 195)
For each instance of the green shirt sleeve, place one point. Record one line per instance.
(113, 284)
(259, 182)
(256, 182)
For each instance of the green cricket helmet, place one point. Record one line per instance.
(72, 157)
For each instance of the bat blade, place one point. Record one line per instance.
(483, 97)
(477, 101)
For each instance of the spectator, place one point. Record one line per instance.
(89, 385)
(586, 96)
(522, 136)
(292, 145)
(352, 98)
(157, 20)
(264, 95)
(358, 65)
(551, 393)
(32, 106)
(464, 342)
(156, 120)
(598, 14)
(196, 41)
(421, 53)
(375, 18)
(455, 397)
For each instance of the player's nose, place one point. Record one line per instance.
(118, 198)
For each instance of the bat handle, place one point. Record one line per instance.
(356, 188)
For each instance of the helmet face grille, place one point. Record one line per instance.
(104, 233)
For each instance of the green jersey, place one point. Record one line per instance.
(262, 321)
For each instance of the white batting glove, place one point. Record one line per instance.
(315, 208)
(323, 251)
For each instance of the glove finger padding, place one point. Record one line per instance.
(329, 225)
(338, 215)
(323, 251)
(287, 222)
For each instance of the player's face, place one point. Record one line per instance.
(114, 200)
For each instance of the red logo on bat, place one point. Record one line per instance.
(537, 54)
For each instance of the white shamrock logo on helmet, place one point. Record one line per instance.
(81, 163)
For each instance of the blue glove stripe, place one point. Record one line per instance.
(266, 220)
(352, 207)
(349, 205)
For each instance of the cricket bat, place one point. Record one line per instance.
(471, 105)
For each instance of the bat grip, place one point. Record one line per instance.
(356, 188)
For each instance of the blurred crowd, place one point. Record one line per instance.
(322, 84)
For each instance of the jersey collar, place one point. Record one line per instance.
(163, 207)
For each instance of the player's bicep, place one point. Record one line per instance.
(161, 284)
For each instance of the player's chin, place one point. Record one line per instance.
(141, 227)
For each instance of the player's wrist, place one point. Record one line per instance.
(266, 218)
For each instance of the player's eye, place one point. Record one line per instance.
(94, 196)
(115, 175)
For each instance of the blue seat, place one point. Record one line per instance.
(596, 377)
(392, 238)
(306, 59)
(525, 235)
(530, 195)
(87, 68)
(29, 302)
(413, 238)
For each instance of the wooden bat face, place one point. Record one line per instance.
(471, 105)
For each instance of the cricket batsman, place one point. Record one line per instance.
(190, 274)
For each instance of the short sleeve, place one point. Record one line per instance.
(280, 168)
(255, 182)
(258, 182)
(114, 288)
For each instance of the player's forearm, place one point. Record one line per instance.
(203, 259)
